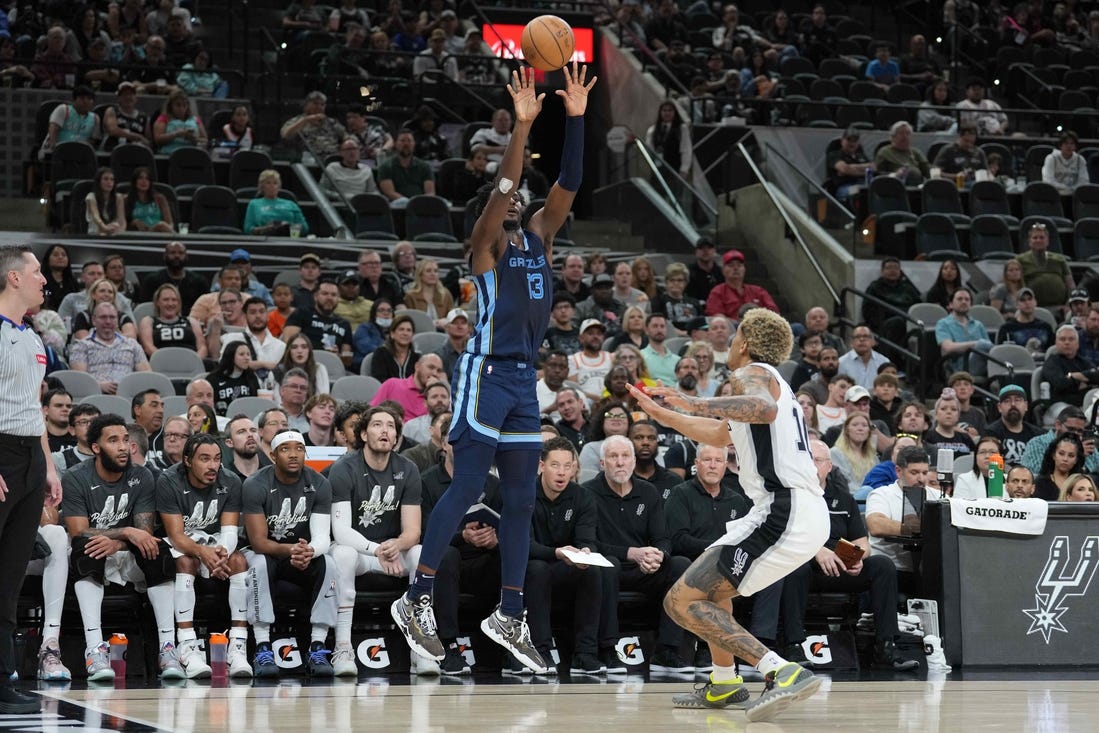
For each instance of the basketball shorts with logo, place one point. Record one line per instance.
(778, 535)
(496, 402)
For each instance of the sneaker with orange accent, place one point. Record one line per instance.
(97, 663)
(782, 687)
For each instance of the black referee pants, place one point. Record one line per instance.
(23, 466)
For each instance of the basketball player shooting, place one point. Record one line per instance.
(496, 416)
(785, 528)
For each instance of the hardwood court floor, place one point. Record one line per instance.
(1022, 703)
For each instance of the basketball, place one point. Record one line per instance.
(548, 43)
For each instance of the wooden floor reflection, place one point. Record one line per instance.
(933, 706)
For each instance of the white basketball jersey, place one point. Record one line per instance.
(775, 456)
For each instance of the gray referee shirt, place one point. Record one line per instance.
(22, 366)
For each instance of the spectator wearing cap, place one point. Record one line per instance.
(74, 121)
(250, 283)
(963, 155)
(730, 296)
(1046, 273)
(1070, 375)
(372, 135)
(271, 215)
(982, 112)
(856, 400)
(862, 361)
(313, 131)
(353, 307)
(970, 417)
(98, 70)
(1011, 429)
(703, 274)
(1079, 301)
(347, 176)
(450, 25)
(1089, 334)
(590, 365)
(123, 122)
(1026, 329)
(899, 155)
(847, 165)
(477, 63)
(435, 58)
(309, 274)
(456, 325)
(601, 306)
(958, 335)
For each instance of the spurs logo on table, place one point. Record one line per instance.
(1059, 581)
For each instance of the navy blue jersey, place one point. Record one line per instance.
(514, 300)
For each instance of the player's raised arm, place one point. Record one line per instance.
(754, 401)
(485, 237)
(548, 220)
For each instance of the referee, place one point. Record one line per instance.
(26, 470)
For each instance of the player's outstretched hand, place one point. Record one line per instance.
(647, 404)
(528, 103)
(575, 93)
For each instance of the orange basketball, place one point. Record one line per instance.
(548, 43)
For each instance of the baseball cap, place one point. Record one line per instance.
(1024, 291)
(851, 133)
(959, 377)
(473, 32)
(349, 276)
(126, 85)
(856, 393)
(437, 33)
(455, 314)
(704, 242)
(307, 257)
(1079, 294)
(698, 323)
(240, 255)
(448, 14)
(1012, 389)
(733, 254)
(602, 279)
(592, 322)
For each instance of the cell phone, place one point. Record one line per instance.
(850, 553)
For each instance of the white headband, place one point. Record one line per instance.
(286, 437)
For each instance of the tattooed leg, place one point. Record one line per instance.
(700, 603)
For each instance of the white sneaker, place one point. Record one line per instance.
(97, 663)
(193, 660)
(170, 668)
(50, 667)
(343, 662)
(424, 667)
(237, 658)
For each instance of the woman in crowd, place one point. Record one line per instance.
(1078, 487)
(395, 358)
(239, 129)
(643, 278)
(934, 120)
(104, 208)
(178, 126)
(199, 80)
(299, 353)
(102, 291)
(202, 419)
(428, 294)
(60, 281)
(429, 143)
(708, 373)
(1063, 458)
(624, 291)
(808, 408)
(269, 214)
(854, 452)
(633, 330)
(945, 433)
(974, 484)
(672, 301)
(370, 335)
(615, 388)
(613, 418)
(168, 326)
(233, 376)
(147, 209)
(629, 356)
(596, 265)
(1002, 296)
(946, 283)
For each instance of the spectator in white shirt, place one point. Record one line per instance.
(1065, 168)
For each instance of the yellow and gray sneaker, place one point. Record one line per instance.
(782, 687)
(713, 694)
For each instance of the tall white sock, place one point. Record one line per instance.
(343, 626)
(184, 598)
(89, 596)
(262, 632)
(55, 574)
(769, 663)
(162, 598)
(238, 597)
(238, 632)
(186, 633)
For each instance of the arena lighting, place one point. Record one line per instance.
(996, 82)
(938, 39)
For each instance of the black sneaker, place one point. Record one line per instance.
(704, 661)
(417, 622)
(16, 702)
(588, 664)
(612, 663)
(317, 663)
(264, 663)
(512, 633)
(667, 659)
(887, 655)
(796, 653)
(454, 662)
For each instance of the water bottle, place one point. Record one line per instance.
(996, 476)
(219, 645)
(118, 644)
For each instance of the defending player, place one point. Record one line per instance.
(495, 395)
(785, 528)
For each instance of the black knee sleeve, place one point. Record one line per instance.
(82, 566)
(157, 570)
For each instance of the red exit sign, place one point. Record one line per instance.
(505, 41)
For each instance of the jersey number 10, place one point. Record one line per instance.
(803, 433)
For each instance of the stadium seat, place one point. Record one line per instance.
(355, 387)
(250, 406)
(940, 196)
(372, 213)
(332, 362)
(125, 159)
(71, 162)
(1043, 199)
(1085, 202)
(936, 238)
(110, 404)
(78, 384)
(1035, 157)
(888, 203)
(176, 362)
(990, 198)
(990, 238)
(188, 169)
(214, 211)
(136, 382)
(427, 214)
(421, 322)
(1085, 240)
(245, 167)
(428, 341)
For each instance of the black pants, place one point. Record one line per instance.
(23, 466)
(478, 575)
(628, 576)
(878, 575)
(157, 571)
(543, 580)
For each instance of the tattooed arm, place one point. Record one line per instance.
(753, 400)
(700, 429)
